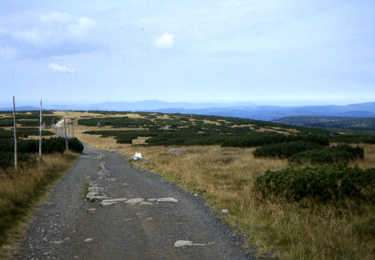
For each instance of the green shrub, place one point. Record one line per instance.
(335, 154)
(322, 183)
(260, 139)
(7, 159)
(75, 145)
(284, 150)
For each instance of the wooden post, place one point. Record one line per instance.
(15, 135)
(73, 130)
(66, 137)
(40, 132)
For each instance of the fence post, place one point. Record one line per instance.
(15, 135)
(40, 132)
(66, 137)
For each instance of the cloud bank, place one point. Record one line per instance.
(36, 34)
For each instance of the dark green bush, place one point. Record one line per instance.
(260, 139)
(7, 159)
(323, 183)
(284, 150)
(334, 154)
(27, 147)
(75, 145)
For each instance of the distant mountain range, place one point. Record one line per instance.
(242, 110)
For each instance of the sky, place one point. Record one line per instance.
(285, 52)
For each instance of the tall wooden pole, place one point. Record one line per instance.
(66, 137)
(40, 132)
(15, 136)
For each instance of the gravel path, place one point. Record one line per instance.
(137, 215)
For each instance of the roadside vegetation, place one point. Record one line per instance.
(299, 193)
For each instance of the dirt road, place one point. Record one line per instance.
(137, 215)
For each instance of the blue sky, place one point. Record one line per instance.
(285, 52)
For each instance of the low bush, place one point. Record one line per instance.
(322, 183)
(27, 147)
(260, 139)
(335, 154)
(284, 150)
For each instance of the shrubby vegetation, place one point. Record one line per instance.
(23, 132)
(259, 139)
(27, 147)
(115, 122)
(285, 150)
(356, 139)
(322, 183)
(29, 119)
(334, 154)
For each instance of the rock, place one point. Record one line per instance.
(170, 199)
(225, 211)
(134, 201)
(145, 203)
(176, 152)
(181, 243)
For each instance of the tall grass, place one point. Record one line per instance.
(19, 190)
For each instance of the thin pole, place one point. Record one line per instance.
(15, 135)
(40, 132)
(73, 130)
(66, 137)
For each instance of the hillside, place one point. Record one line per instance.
(355, 123)
(241, 110)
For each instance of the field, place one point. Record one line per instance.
(220, 164)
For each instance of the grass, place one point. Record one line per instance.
(20, 190)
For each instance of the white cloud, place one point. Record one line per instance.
(61, 68)
(45, 34)
(165, 41)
